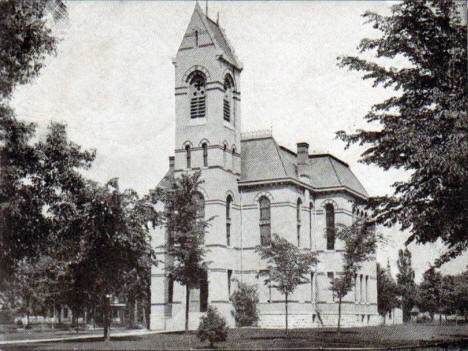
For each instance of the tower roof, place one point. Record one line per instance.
(216, 35)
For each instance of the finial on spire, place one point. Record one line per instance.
(206, 8)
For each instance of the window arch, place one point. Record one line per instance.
(228, 219)
(197, 95)
(205, 154)
(265, 221)
(330, 221)
(298, 221)
(188, 156)
(228, 98)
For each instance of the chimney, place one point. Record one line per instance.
(171, 163)
(302, 159)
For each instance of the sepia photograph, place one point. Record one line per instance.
(233, 175)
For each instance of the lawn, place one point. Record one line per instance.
(268, 339)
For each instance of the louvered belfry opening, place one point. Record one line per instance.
(197, 95)
(227, 101)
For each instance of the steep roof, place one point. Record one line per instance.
(263, 159)
(216, 35)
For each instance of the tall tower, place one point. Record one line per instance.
(207, 139)
(207, 98)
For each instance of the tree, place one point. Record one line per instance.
(360, 243)
(461, 294)
(212, 327)
(245, 299)
(26, 38)
(405, 282)
(423, 127)
(387, 292)
(287, 267)
(430, 292)
(185, 224)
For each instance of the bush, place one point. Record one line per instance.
(245, 300)
(212, 327)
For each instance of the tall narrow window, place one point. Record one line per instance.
(204, 291)
(197, 95)
(367, 289)
(199, 201)
(311, 208)
(228, 98)
(330, 219)
(298, 221)
(331, 278)
(228, 220)
(312, 287)
(205, 155)
(196, 38)
(233, 159)
(188, 156)
(355, 289)
(265, 221)
(360, 288)
(224, 155)
(229, 276)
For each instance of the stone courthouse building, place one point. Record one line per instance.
(253, 187)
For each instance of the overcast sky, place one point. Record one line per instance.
(112, 83)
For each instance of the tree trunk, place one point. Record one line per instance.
(286, 307)
(339, 314)
(106, 318)
(440, 318)
(187, 301)
(135, 313)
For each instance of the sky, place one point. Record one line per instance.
(112, 83)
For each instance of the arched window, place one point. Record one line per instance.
(265, 221)
(228, 220)
(197, 95)
(228, 97)
(298, 221)
(188, 156)
(330, 219)
(196, 38)
(205, 155)
(199, 201)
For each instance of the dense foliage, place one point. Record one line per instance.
(186, 228)
(423, 127)
(387, 292)
(405, 283)
(244, 300)
(287, 267)
(212, 327)
(359, 245)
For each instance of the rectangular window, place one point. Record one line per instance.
(227, 110)
(265, 234)
(331, 278)
(228, 233)
(312, 288)
(367, 291)
(298, 235)
(229, 275)
(197, 107)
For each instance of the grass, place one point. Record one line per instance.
(274, 339)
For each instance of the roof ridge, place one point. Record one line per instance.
(336, 173)
(279, 155)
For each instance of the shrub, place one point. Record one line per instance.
(212, 327)
(245, 300)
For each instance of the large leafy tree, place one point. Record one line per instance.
(186, 225)
(430, 292)
(287, 267)
(387, 292)
(405, 282)
(360, 242)
(423, 127)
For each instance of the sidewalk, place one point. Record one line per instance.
(115, 334)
